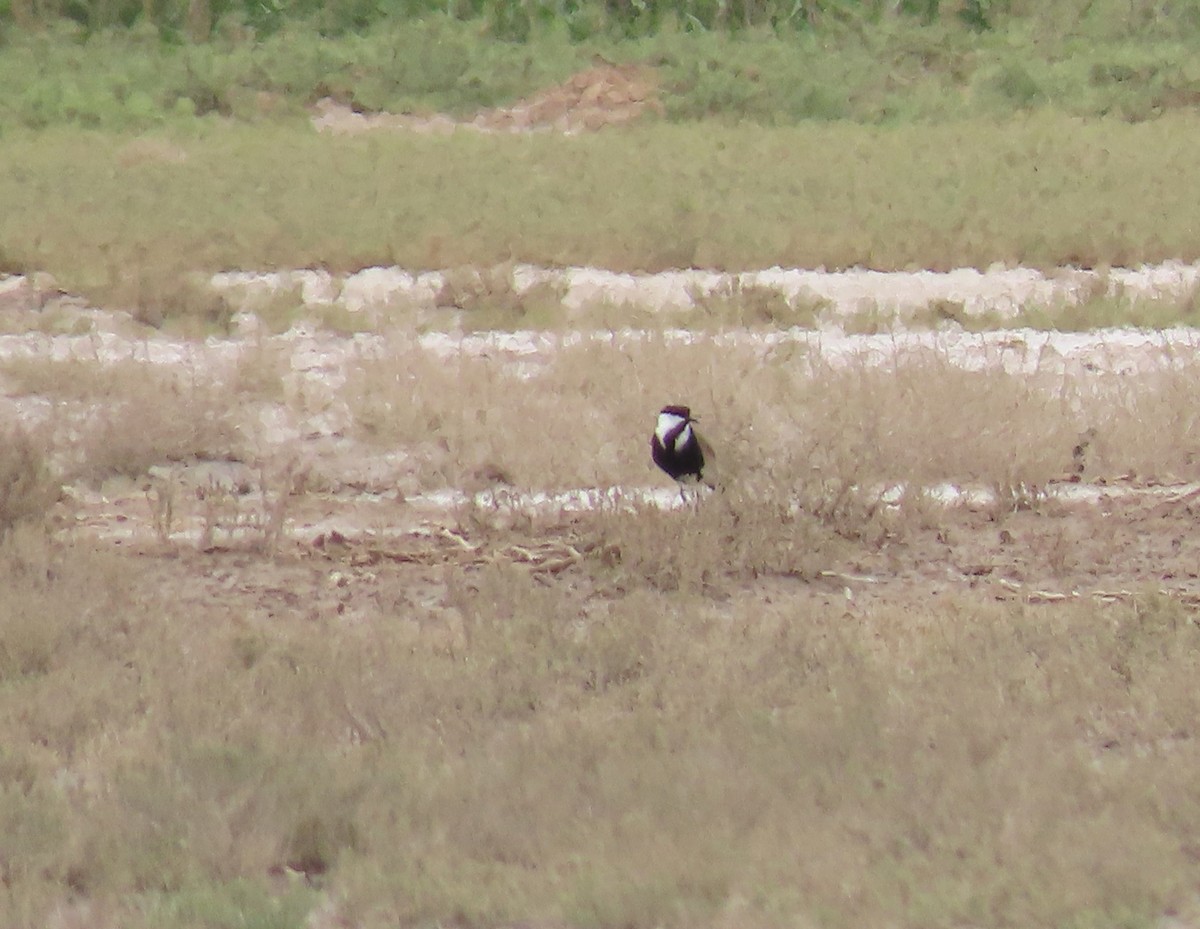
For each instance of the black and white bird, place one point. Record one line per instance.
(677, 448)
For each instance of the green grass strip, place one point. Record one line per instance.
(100, 211)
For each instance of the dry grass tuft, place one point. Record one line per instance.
(178, 299)
(28, 485)
(719, 541)
(232, 515)
(490, 299)
(185, 424)
(122, 417)
(1109, 306)
(739, 305)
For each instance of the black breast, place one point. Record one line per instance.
(679, 462)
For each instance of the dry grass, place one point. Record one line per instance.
(503, 751)
(787, 424)
(28, 484)
(740, 305)
(730, 539)
(779, 416)
(1105, 309)
(122, 417)
(490, 299)
(657, 719)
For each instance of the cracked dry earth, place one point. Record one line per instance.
(366, 535)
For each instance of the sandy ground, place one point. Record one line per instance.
(375, 522)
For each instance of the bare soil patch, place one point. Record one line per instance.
(596, 98)
(341, 554)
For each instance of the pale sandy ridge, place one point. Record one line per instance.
(998, 290)
(323, 357)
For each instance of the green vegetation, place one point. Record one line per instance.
(839, 134)
(111, 218)
(786, 62)
(504, 20)
(1113, 309)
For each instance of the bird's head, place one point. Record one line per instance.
(674, 410)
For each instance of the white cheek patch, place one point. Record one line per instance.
(683, 438)
(667, 422)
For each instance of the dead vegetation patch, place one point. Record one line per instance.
(29, 483)
(443, 546)
(107, 418)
